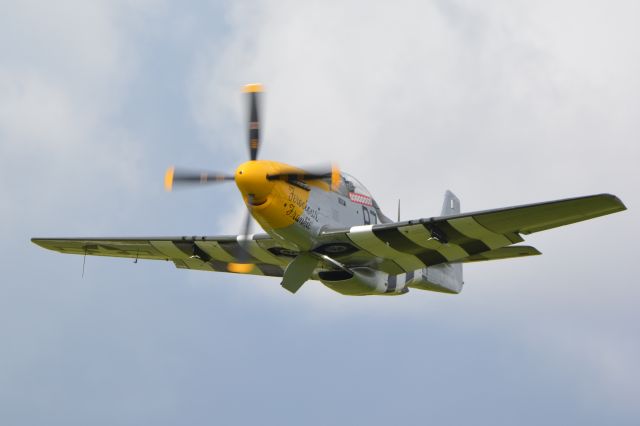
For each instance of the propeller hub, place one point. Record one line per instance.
(251, 178)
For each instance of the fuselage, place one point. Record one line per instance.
(296, 211)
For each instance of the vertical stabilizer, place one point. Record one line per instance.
(451, 204)
(446, 277)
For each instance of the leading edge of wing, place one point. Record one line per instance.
(143, 247)
(49, 243)
(219, 238)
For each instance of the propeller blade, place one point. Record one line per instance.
(331, 174)
(243, 266)
(247, 223)
(185, 177)
(254, 90)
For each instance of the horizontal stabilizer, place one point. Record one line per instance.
(503, 253)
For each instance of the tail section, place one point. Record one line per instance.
(451, 204)
(447, 277)
(444, 278)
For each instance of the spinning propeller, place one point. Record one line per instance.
(253, 178)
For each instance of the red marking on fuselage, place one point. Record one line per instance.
(361, 199)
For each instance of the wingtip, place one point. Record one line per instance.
(616, 200)
(41, 242)
(619, 202)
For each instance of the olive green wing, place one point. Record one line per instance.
(206, 253)
(484, 235)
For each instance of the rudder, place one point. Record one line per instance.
(451, 204)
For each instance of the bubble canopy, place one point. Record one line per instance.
(349, 184)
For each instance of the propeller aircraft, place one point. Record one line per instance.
(324, 225)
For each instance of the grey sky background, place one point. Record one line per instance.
(503, 102)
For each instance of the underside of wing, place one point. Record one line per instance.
(207, 253)
(468, 237)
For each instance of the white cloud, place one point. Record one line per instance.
(65, 71)
(503, 102)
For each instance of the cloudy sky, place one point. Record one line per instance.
(504, 102)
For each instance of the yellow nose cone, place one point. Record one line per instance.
(251, 178)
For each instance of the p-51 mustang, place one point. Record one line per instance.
(324, 225)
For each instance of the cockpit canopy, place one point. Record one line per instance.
(351, 188)
(350, 185)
